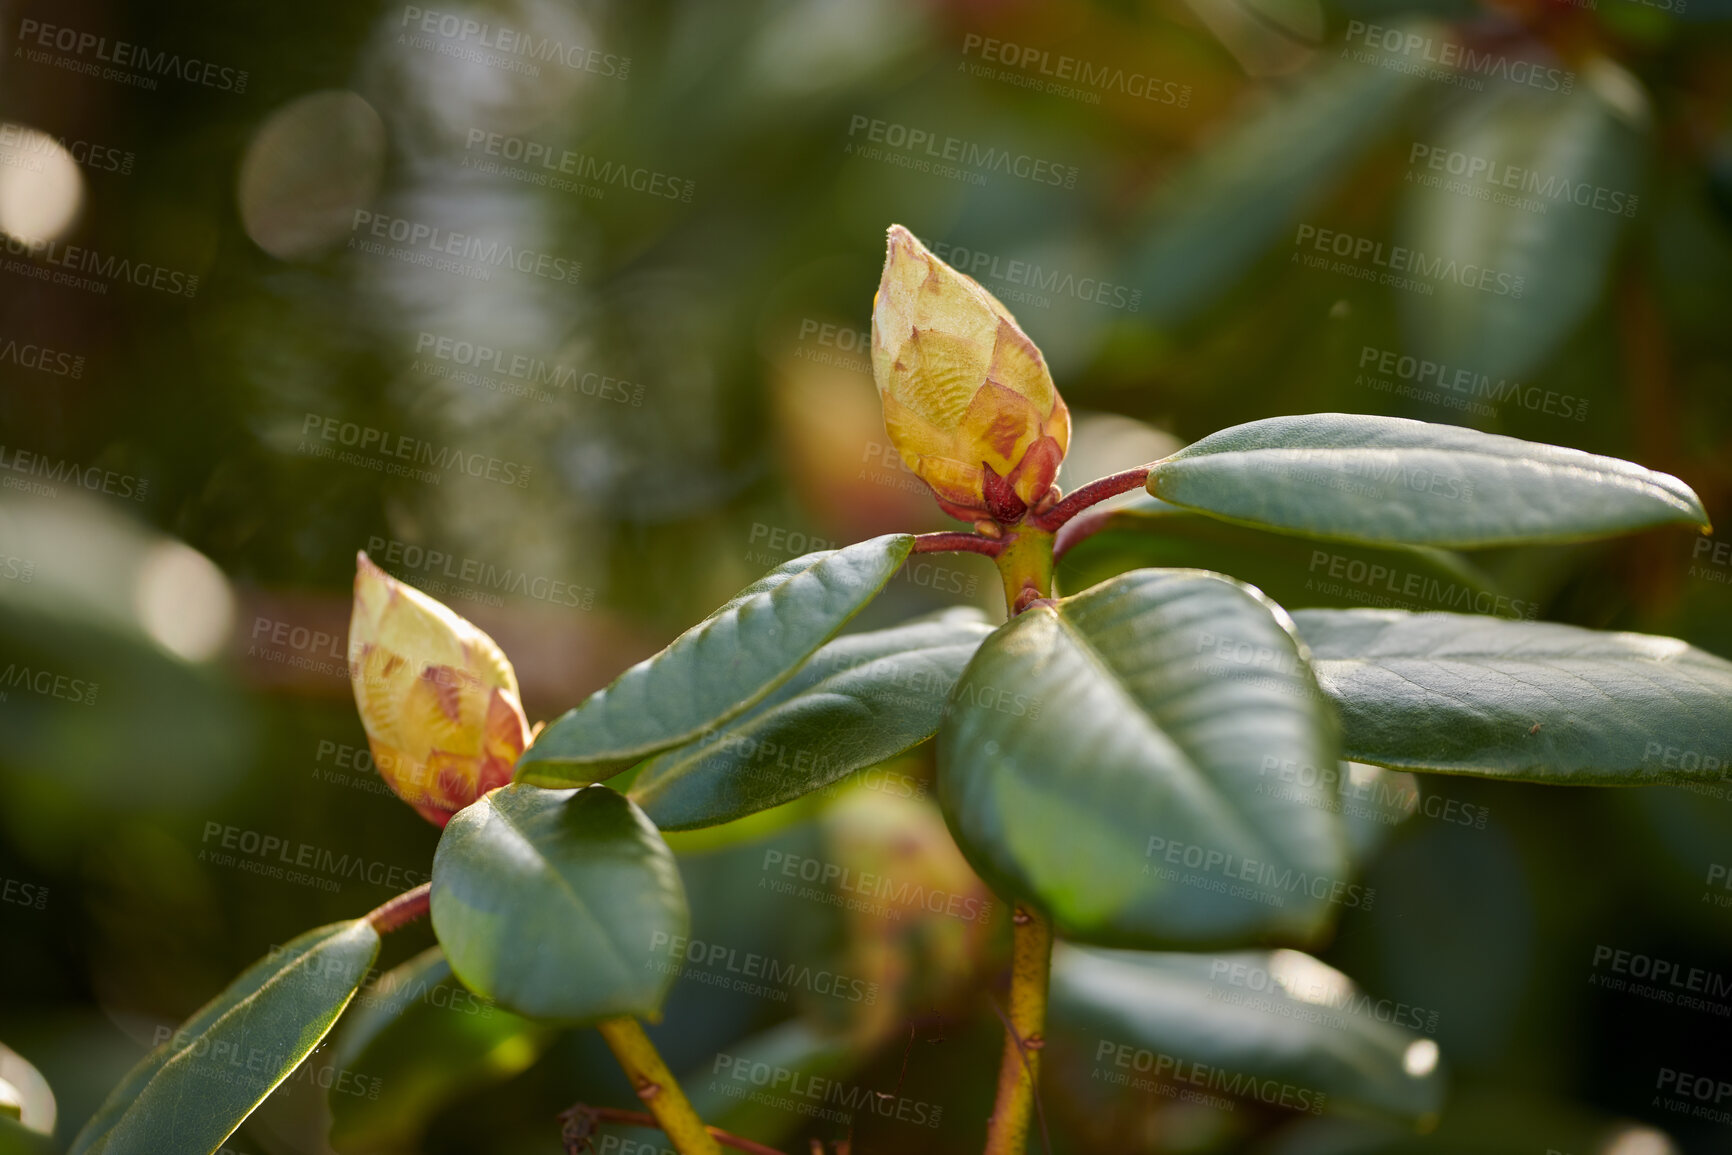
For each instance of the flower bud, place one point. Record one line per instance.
(438, 697)
(968, 402)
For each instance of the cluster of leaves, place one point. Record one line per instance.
(1156, 708)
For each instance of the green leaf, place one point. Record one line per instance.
(1534, 259)
(190, 1093)
(550, 903)
(718, 668)
(1388, 480)
(1278, 1027)
(861, 700)
(1113, 758)
(1294, 571)
(1217, 216)
(1535, 701)
(426, 1040)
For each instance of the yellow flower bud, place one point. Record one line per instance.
(438, 697)
(968, 402)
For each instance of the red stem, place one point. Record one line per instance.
(402, 910)
(1094, 492)
(1078, 531)
(957, 542)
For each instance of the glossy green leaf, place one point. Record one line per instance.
(1294, 571)
(1533, 224)
(861, 700)
(193, 1090)
(1114, 757)
(1388, 480)
(1278, 1028)
(421, 1039)
(1537, 701)
(716, 669)
(550, 903)
(1243, 194)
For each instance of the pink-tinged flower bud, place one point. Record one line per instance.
(438, 697)
(968, 402)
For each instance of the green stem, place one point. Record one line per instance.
(1019, 1064)
(1026, 567)
(1025, 564)
(655, 1085)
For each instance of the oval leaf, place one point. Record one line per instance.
(1113, 757)
(1535, 701)
(426, 1038)
(190, 1093)
(1293, 570)
(1277, 1027)
(861, 700)
(549, 902)
(1388, 480)
(716, 669)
